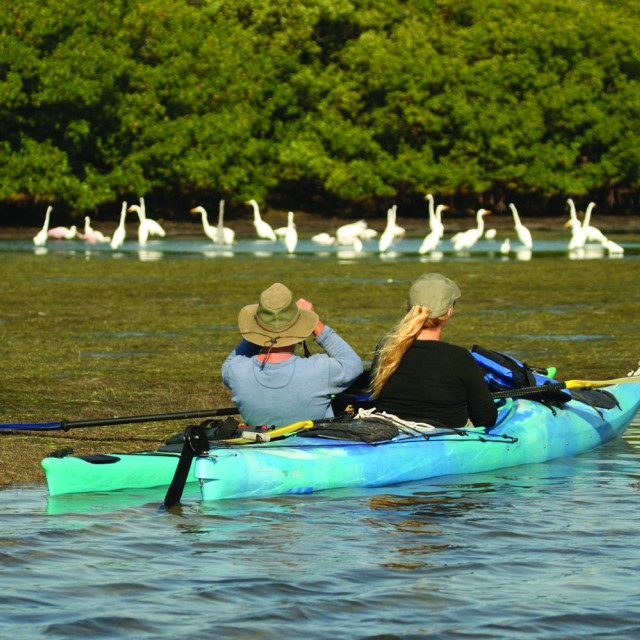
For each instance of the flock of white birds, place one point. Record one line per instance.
(352, 235)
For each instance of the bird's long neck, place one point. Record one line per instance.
(221, 214)
(205, 219)
(587, 215)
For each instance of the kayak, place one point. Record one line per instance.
(527, 431)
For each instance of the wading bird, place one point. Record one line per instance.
(323, 238)
(432, 239)
(120, 233)
(224, 235)
(593, 233)
(91, 235)
(263, 229)
(524, 235)
(466, 239)
(391, 232)
(40, 239)
(64, 233)
(146, 227)
(290, 235)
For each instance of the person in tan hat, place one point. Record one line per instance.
(269, 383)
(419, 377)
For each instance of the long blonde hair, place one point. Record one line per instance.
(396, 344)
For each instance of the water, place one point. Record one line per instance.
(546, 551)
(545, 244)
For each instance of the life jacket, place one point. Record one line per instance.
(502, 371)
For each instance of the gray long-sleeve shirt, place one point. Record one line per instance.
(281, 393)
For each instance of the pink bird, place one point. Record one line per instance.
(92, 235)
(63, 233)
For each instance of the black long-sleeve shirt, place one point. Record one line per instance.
(438, 382)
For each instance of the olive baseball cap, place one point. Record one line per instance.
(435, 292)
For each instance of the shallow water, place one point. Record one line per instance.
(545, 551)
(546, 244)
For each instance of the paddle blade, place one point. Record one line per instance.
(195, 444)
(575, 384)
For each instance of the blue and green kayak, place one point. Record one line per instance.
(527, 431)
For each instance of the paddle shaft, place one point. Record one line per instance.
(65, 425)
(528, 391)
(559, 386)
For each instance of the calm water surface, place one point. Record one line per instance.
(548, 551)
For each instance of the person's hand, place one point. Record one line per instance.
(308, 306)
(304, 304)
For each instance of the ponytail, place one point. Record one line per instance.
(396, 344)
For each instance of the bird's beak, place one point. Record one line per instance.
(192, 211)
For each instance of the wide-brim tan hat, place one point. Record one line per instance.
(276, 321)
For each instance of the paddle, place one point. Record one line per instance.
(558, 386)
(196, 443)
(65, 425)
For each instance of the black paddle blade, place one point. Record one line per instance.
(195, 444)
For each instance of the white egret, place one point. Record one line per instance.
(348, 232)
(613, 248)
(524, 235)
(593, 233)
(290, 235)
(120, 233)
(578, 233)
(368, 234)
(432, 239)
(466, 239)
(355, 242)
(263, 229)
(40, 239)
(154, 228)
(224, 234)
(505, 247)
(390, 232)
(143, 228)
(209, 231)
(323, 238)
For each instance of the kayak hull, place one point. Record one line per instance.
(527, 432)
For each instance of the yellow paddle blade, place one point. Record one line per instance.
(575, 384)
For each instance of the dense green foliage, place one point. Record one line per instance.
(349, 102)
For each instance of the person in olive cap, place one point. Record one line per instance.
(416, 376)
(269, 383)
